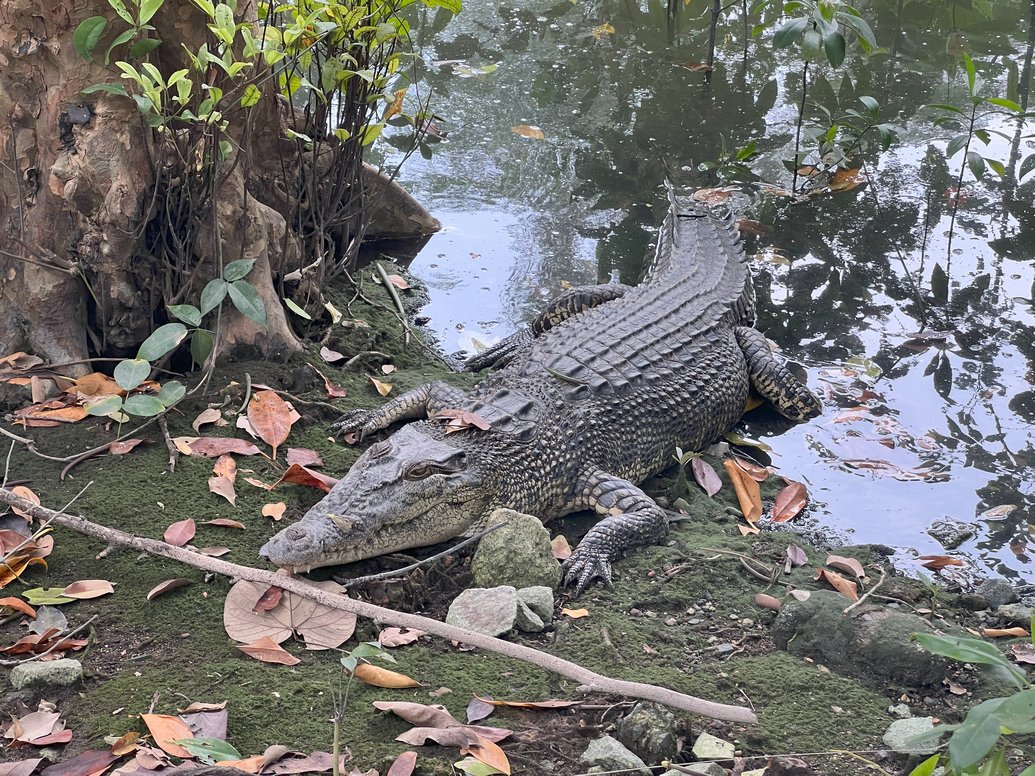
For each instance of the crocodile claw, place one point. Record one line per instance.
(353, 422)
(584, 566)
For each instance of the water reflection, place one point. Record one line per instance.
(918, 428)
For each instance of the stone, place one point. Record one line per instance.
(518, 554)
(699, 769)
(606, 754)
(901, 730)
(950, 534)
(51, 673)
(527, 620)
(538, 598)
(901, 710)
(1015, 614)
(649, 730)
(492, 611)
(996, 592)
(870, 640)
(709, 747)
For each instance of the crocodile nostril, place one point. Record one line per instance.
(295, 533)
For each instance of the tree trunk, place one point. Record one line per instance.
(81, 183)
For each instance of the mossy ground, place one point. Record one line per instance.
(670, 607)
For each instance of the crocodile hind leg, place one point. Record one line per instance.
(561, 308)
(419, 403)
(773, 381)
(632, 519)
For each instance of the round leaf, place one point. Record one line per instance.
(105, 406)
(171, 392)
(143, 405)
(161, 341)
(236, 270)
(88, 34)
(132, 372)
(246, 299)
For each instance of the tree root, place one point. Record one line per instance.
(589, 681)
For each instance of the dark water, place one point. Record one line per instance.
(916, 430)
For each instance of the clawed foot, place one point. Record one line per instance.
(356, 422)
(584, 566)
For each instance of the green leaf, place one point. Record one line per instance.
(943, 106)
(213, 295)
(998, 167)
(872, 106)
(995, 765)
(976, 162)
(927, 767)
(350, 663)
(161, 341)
(1027, 166)
(236, 270)
(200, 345)
(955, 145)
(297, 310)
(143, 47)
(120, 8)
(187, 313)
(130, 373)
(867, 41)
(1008, 104)
(474, 767)
(104, 407)
(143, 405)
(834, 46)
(747, 151)
(963, 648)
(810, 44)
(171, 392)
(225, 149)
(968, 63)
(251, 96)
(246, 299)
(118, 89)
(453, 6)
(149, 8)
(976, 736)
(789, 32)
(88, 34)
(210, 750)
(124, 37)
(46, 596)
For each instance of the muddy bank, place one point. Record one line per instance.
(682, 614)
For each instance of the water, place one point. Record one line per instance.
(916, 430)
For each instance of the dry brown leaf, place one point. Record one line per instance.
(753, 470)
(999, 633)
(302, 475)
(91, 762)
(382, 677)
(88, 588)
(767, 601)
(165, 729)
(845, 180)
(705, 475)
(530, 131)
(789, 501)
(180, 532)
(403, 764)
(575, 614)
(214, 552)
(850, 565)
(997, 513)
(387, 369)
(457, 420)
(383, 388)
(479, 708)
(333, 391)
(226, 466)
(796, 556)
(223, 486)
(23, 492)
(397, 637)
(274, 510)
(748, 493)
(271, 417)
(845, 587)
(936, 562)
(748, 530)
(269, 651)
(253, 764)
(95, 384)
(399, 282)
(18, 605)
(126, 743)
(489, 753)
(164, 587)
(269, 600)
(1023, 652)
(211, 415)
(257, 483)
(559, 547)
(213, 447)
(547, 704)
(303, 457)
(225, 522)
(20, 767)
(331, 356)
(124, 446)
(321, 626)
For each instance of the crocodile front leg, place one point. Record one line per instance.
(633, 519)
(417, 404)
(773, 381)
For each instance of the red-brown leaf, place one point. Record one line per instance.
(845, 587)
(936, 562)
(403, 765)
(303, 457)
(269, 600)
(301, 475)
(164, 587)
(271, 417)
(275, 510)
(123, 447)
(213, 447)
(268, 651)
(180, 532)
(748, 493)
(789, 501)
(88, 588)
(223, 486)
(88, 763)
(225, 522)
(706, 475)
(753, 470)
(849, 565)
(18, 605)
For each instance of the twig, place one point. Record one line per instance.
(52, 647)
(350, 583)
(247, 393)
(589, 681)
(868, 593)
(366, 354)
(30, 444)
(7, 465)
(174, 454)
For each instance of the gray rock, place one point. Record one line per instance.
(1016, 614)
(951, 533)
(698, 769)
(527, 620)
(901, 730)
(538, 598)
(650, 731)
(996, 592)
(51, 673)
(709, 747)
(517, 554)
(902, 711)
(606, 754)
(870, 639)
(491, 611)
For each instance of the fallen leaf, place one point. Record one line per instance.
(18, 605)
(331, 356)
(20, 767)
(955, 689)
(269, 600)
(850, 565)
(1023, 652)
(575, 614)
(844, 180)
(936, 562)
(223, 486)
(165, 729)
(321, 626)
(998, 633)
(271, 417)
(489, 753)
(303, 457)
(275, 510)
(399, 282)
(705, 475)
(799, 595)
(997, 513)
(211, 415)
(164, 587)
(767, 601)
(748, 530)
(214, 552)
(789, 501)
(23, 492)
(796, 556)
(439, 692)
(382, 388)
(88, 588)
(180, 532)
(530, 131)
(301, 475)
(559, 547)
(226, 466)
(456, 420)
(257, 483)
(213, 447)
(697, 67)
(382, 677)
(845, 587)
(94, 384)
(748, 493)
(225, 522)
(315, 762)
(124, 446)
(387, 369)
(126, 743)
(403, 765)
(553, 703)
(333, 391)
(479, 708)
(397, 637)
(91, 762)
(267, 650)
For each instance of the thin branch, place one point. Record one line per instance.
(589, 681)
(868, 593)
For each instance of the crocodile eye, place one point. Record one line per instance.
(419, 471)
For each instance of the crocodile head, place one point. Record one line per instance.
(416, 488)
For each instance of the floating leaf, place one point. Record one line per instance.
(267, 650)
(705, 475)
(789, 501)
(529, 131)
(936, 562)
(997, 513)
(844, 180)
(601, 31)
(180, 532)
(164, 587)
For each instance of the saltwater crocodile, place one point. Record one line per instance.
(593, 400)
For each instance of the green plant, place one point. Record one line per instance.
(975, 746)
(350, 661)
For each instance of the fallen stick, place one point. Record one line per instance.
(589, 681)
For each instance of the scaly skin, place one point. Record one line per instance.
(593, 400)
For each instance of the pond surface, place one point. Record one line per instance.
(917, 429)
